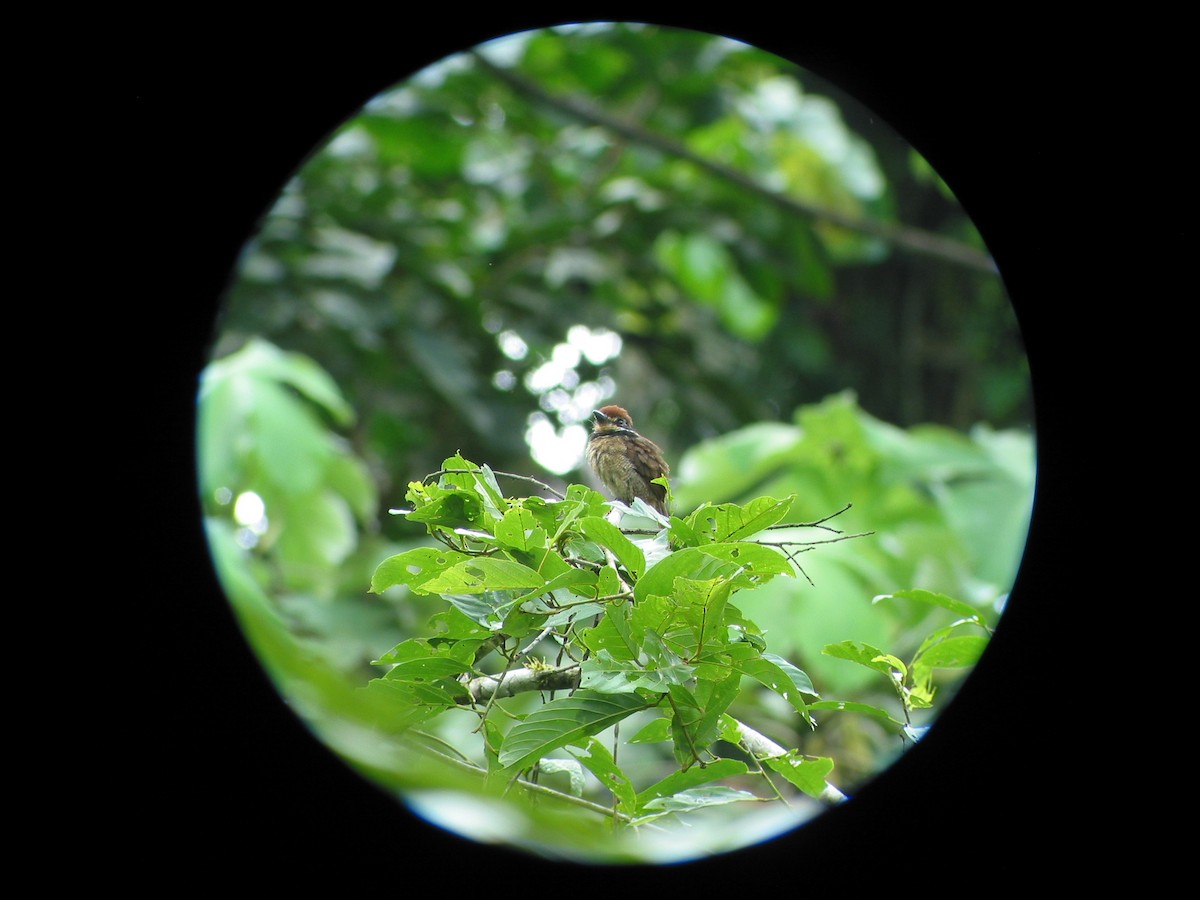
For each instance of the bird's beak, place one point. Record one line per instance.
(600, 417)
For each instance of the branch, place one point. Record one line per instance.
(506, 684)
(526, 478)
(906, 237)
(832, 540)
(819, 523)
(762, 747)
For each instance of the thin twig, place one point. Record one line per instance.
(832, 540)
(526, 478)
(819, 523)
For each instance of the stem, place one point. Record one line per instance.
(525, 478)
(832, 540)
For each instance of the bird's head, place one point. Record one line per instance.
(611, 418)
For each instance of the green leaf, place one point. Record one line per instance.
(689, 563)
(500, 611)
(587, 501)
(599, 761)
(420, 142)
(695, 722)
(809, 774)
(403, 705)
(567, 720)
(478, 574)
(602, 672)
(422, 659)
(789, 683)
(289, 444)
(745, 564)
(350, 478)
(463, 473)
(683, 781)
(730, 465)
(742, 630)
(687, 801)
(933, 599)
(455, 626)
(656, 656)
(431, 668)
(452, 508)
(574, 772)
(580, 581)
(607, 534)
(414, 568)
(701, 605)
(798, 677)
(654, 613)
(852, 706)
(656, 731)
(262, 360)
(655, 668)
(866, 655)
(683, 535)
(705, 270)
(753, 564)
(320, 531)
(519, 529)
(608, 583)
(953, 652)
(614, 634)
(576, 612)
(730, 522)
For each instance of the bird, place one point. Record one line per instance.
(625, 461)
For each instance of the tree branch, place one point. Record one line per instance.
(832, 540)
(819, 523)
(762, 747)
(906, 237)
(516, 681)
(525, 478)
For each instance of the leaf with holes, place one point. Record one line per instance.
(451, 508)
(520, 530)
(730, 522)
(806, 772)
(474, 576)
(413, 568)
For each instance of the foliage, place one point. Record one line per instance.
(657, 626)
(950, 511)
(636, 619)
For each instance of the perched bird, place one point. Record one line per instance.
(624, 460)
